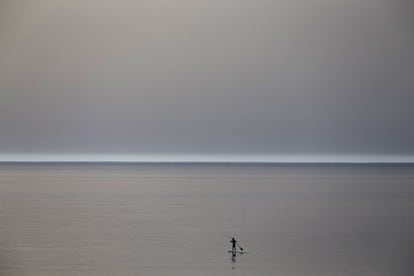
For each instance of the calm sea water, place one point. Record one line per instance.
(178, 220)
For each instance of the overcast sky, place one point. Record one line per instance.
(207, 77)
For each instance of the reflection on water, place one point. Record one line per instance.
(177, 220)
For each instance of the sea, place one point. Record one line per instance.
(178, 219)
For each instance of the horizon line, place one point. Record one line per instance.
(206, 158)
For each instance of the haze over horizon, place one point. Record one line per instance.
(278, 81)
(277, 159)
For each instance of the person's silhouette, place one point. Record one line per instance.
(233, 246)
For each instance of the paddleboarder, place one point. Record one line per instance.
(233, 246)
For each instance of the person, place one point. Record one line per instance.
(233, 246)
(233, 242)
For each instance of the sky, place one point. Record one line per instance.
(207, 80)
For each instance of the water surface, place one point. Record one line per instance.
(178, 220)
